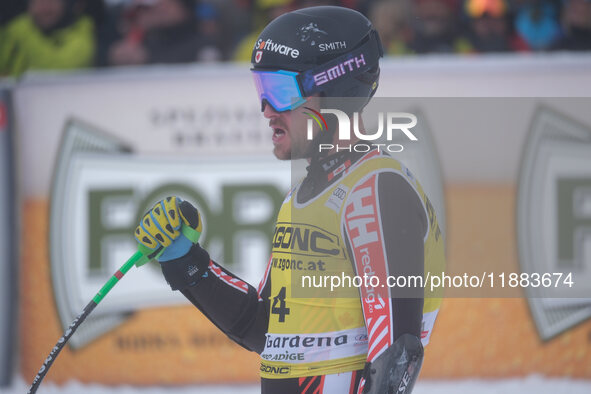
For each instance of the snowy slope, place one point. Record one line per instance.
(532, 384)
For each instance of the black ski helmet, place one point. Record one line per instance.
(336, 50)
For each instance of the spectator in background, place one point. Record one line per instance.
(238, 16)
(390, 18)
(339, 3)
(161, 31)
(576, 22)
(537, 23)
(51, 35)
(211, 30)
(11, 8)
(436, 27)
(490, 28)
(264, 12)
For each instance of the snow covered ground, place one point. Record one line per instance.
(532, 384)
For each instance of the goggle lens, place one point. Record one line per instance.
(280, 89)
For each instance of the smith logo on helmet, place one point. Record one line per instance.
(340, 69)
(269, 45)
(332, 46)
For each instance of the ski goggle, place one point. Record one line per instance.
(280, 89)
(286, 90)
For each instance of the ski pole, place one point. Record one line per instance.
(139, 258)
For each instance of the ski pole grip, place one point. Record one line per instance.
(189, 232)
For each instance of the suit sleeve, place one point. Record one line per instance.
(234, 306)
(385, 224)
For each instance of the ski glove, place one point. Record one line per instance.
(171, 229)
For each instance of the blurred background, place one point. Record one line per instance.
(107, 106)
(70, 34)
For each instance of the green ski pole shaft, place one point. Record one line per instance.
(141, 257)
(138, 258)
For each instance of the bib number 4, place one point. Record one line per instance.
(278, 307)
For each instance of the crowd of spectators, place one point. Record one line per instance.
(68, 34)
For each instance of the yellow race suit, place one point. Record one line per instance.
(356, 216)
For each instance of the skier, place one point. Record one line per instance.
(354, 213)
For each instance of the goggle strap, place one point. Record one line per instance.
(353, 63)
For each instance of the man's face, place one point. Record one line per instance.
(290, 130)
